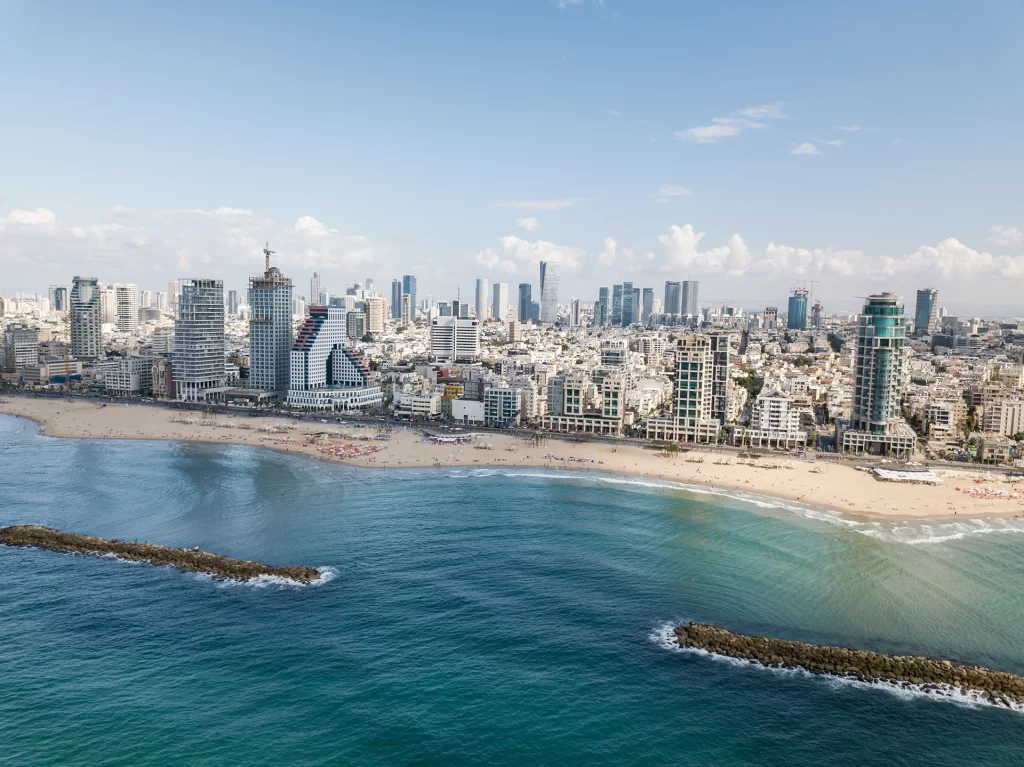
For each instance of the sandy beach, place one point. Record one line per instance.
(815, 483)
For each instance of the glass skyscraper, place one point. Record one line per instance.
(525, 301)
(549, 291)
(673, 298)
(797, 316)
(926, 316)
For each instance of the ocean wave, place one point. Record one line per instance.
(664, 637)
(327, 574)
(933, 531)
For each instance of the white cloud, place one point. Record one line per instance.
(607, 255)
(668, 192)
(309, 226)
(681, 253)
(529, 223)
(1005, 235)
(836, 142)
(805, 148)
(558, 204)
(515, 252)
(732, 125)
(849, 128)
(31, 217)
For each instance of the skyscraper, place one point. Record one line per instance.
(58, 298)
(601, 308)
(875, 423)
(692, 418)
(314, 288)
(126, 298)
(481, 298)
(198, 366)
(690, 302)
(233, 301)
(616, 305)
(628, 307)
(673, 298)
(797, 315)
(499, 304)
(549, 273)
(817, 316)
(270, 330)
(648, 304)
(396, 299)
(574, 313)
(926, 316)
(173, 293)
(86, 322)
(720, 367)
(525, 301)
(409, 289)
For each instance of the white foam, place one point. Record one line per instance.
(327, 574)
(665, 637)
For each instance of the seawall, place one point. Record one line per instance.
(999, 687)
(192, 560)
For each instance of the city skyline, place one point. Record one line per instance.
(749, 185)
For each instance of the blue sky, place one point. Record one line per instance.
(144, 142)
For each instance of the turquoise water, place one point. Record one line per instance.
(474, 617)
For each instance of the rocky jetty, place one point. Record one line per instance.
(930, 674)
(192, 560)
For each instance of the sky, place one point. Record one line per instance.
(845, 147)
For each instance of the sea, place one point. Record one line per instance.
(474, 617)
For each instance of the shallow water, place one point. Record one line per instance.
(474, 616)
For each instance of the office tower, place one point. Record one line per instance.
(126, 298)
(525, 301)
(535, 311)
(198, 366)
(407, 312)
(720, 367)
(173, 294)
(692, 417)
(396, 299)
(444, 309)
(314, 288)
(797, 315)
(86, 319)
(324, 297)
(456, 308)
(927, 312)
(58, 298)
(628, 306)
(161, 301)
(20, 347)
(368, 287)
(271, 332)
(549, 273)
(647, 304)
(355, 325)
(376, 314)
(453, 339)
(771, 318)
(499, 304)
(574, 313)
(233, 301)
(690, 303)
(481, 298)
(875, 423)
(673, 298)
(616, 305)
(637, 305)
(601, 308)
(409, 289)
(817, 316)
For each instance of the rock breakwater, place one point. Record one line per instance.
(996, 687)
(192, 560)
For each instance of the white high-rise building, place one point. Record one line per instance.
(173, 294)
(453, 339)
(108, 305)
(86, 319)
(324, 374)
(270, 331)
(499, 302)
(692, 418)
(126, 299)
(481, 298)
(376, 314)
(314, 288)
(199, 366)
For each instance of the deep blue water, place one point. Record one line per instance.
(473, 618)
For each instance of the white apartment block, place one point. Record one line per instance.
(453, 339)
(270, 331)
(126, 302)
(774, 422)
(127, 376)
(502, 407)
(691, 419)
(1004, 417)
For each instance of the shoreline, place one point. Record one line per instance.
(822, 485)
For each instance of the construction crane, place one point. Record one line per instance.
(267, 252)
